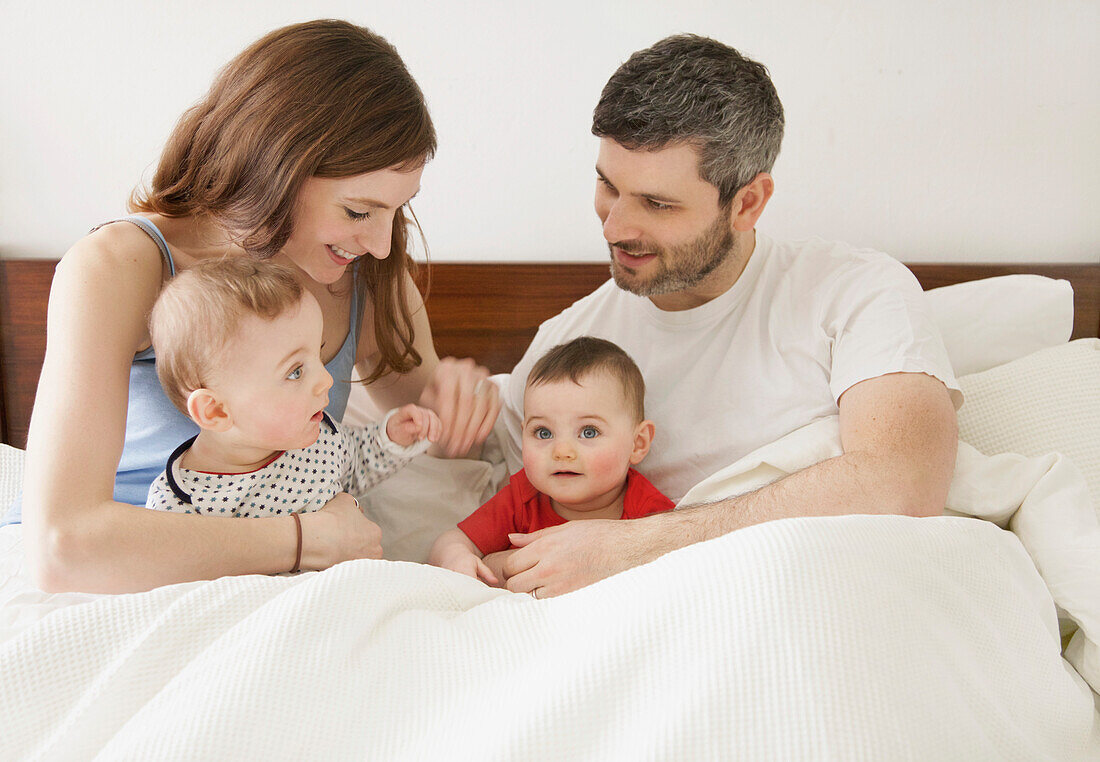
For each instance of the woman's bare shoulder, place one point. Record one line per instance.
(119, 253)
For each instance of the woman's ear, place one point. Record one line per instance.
(643, 438)
(749, 202)
(207, 411)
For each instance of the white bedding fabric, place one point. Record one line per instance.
(1046, 401)
(852, 637)
(992, 321)
(1044, 501)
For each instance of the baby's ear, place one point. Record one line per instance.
(207, 411)
(643, 438)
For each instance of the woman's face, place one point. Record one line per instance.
(338, 220)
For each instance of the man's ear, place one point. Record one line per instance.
(207, 411)
(643, 438)
(749, 202)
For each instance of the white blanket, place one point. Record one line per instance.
(1044, 500)
(852, 637)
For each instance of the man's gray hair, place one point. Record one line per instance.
(695, 90)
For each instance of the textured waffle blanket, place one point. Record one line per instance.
(852, 637)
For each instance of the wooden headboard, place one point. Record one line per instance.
(486, 311)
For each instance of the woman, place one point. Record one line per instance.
(306, 150)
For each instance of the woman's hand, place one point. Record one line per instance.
(338, 532)
(466, 401)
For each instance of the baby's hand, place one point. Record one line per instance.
(412, 423)
(453, 550)
(471, 566)
(495, 563)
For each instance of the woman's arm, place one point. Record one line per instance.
(77, 537)
(457, 390)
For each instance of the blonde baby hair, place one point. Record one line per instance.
(200, 310)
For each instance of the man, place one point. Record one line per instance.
(741, 339)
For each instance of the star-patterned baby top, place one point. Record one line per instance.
(343, 459)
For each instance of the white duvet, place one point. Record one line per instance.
(852, 637)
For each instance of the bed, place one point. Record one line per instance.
(971, 636)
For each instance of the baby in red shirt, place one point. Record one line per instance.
(584, 428)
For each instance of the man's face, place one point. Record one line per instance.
(664, 226)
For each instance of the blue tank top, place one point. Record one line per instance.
(154, 427)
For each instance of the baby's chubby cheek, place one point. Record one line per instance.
(290, 432)
(531, 461)
(606, 463)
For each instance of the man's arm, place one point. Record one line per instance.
(899, 438)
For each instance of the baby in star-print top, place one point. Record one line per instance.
(238, 346)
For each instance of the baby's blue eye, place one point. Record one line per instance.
(542, 433)
(589, 432)
(295, 374)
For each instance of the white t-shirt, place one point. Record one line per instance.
(804, 322)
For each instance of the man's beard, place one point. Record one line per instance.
(679, 267)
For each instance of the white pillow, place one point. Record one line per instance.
(1046, 402)
(429, 495)
(988, 322)
(425, 499)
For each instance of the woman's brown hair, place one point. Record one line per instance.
(324, 98)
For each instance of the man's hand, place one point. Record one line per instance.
(570, 556)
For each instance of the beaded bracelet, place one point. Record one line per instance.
(298, 551)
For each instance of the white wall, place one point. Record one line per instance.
(937, 131)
